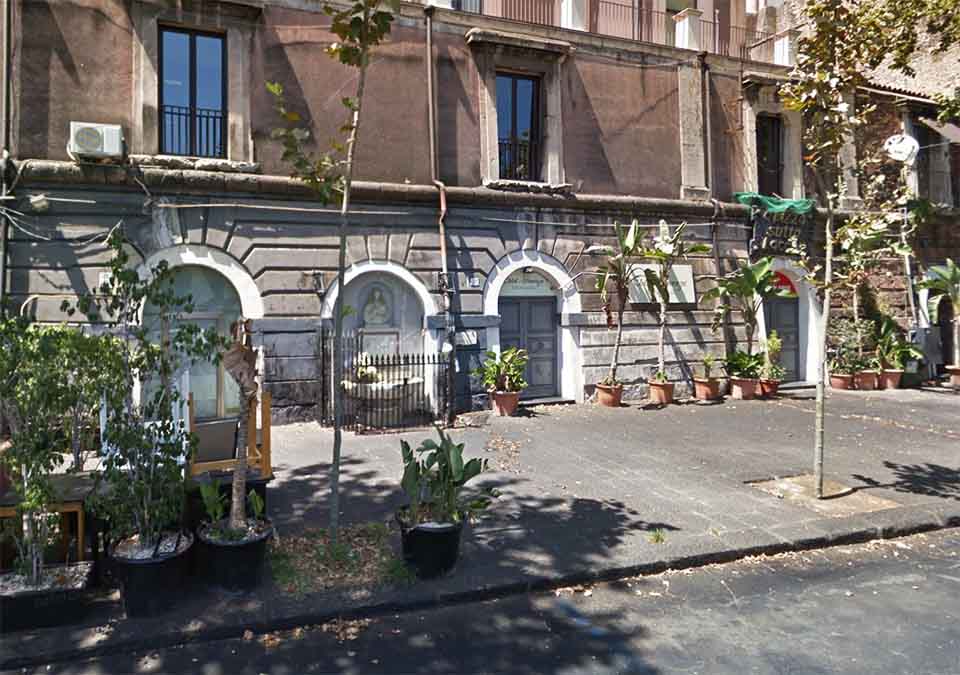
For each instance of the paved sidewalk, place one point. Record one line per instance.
(590, 493)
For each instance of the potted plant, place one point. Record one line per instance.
(614, 278)
(36, 401)
(665, 251)
(744, 371)
(866, 375)
(772, 372)
(431, 526)
(234, 549)
(707, 388)
(944, 285)
(842, 367)
(892, 353)
(746, 287)
(502, 375)
(146, 442)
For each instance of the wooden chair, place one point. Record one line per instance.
(217, 448)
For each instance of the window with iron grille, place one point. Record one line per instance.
(193, 93)
(518, 126)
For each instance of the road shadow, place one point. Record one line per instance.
(932, 480)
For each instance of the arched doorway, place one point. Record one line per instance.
(565, 310)
(385, 315)
(529, 320)
(782, 314)
(215, 304)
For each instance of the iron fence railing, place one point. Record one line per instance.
(385, 392)
(629, 20)
(196, 132)
(519, 159)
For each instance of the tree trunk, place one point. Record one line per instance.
(748, 326)
(956, 337)
(334, 528)
(856, 320)
(661, 339)
(616, 347)
(238, 502)
(819, 432)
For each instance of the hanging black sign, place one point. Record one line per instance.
(776, 233)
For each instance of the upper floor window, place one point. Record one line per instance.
(193, 93)
(518, 126)
(769, 155)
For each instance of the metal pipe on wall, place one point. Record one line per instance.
(5, 157)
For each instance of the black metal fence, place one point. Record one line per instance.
(197, 132)
(385, 392)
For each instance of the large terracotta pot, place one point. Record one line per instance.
(505, 402)
(661, 393)
(769, 388)
(838, 381)
(706, 390)
(743, 388)
(610, 395)
(890, 379)
(954, 372)
(866, 380)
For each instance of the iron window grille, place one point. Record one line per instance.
(518, 126)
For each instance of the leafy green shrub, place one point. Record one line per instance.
(743, 365)
(504, 371)
(434, 476)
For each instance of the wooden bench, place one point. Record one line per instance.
(217, 450)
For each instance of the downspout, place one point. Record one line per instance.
(5, 151)
(708, 131)
(446, 288)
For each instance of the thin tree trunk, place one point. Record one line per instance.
(238, 511)
(338, 306)
(956, 337)
(616, 347)
(819, 433)
(856, 320)
(661, 352)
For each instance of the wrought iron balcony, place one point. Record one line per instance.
(629, 20)
(196, 132)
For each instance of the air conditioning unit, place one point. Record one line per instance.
(95, 140)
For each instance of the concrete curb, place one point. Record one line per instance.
(889, 524)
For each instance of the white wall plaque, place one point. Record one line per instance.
(682, 289)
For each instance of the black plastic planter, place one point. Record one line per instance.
(153, 585)
(431, 549)
(234, 566)
(47, 608)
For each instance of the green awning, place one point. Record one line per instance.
(801, 207)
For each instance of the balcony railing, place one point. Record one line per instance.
(519, 159)
(627, 19)
(196, 132)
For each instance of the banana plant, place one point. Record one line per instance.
(666, 251)
(434, 476)
(614, 278)
(944, 283)
(747, 287)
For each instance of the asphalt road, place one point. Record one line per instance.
(885, 607)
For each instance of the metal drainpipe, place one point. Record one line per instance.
(446, 288)
(4, 158)
(708, 145)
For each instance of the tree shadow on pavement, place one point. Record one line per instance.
(933, 480)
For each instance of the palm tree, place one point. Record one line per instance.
(748, 285)
(945, 283)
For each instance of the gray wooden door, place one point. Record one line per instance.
(783, 316)
(531, 324)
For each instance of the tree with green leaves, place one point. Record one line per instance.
(360, 25)
(665, 251)
(145, 437)
(747, 288)
(944, 285)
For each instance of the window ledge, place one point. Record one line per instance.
(529, 186)
(505, 39)
(194, 163)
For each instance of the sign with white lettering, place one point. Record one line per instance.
(683, 291)
(526, 283)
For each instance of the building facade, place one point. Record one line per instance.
(551, 120)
